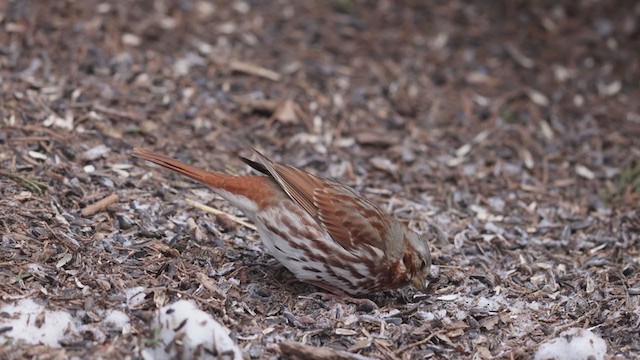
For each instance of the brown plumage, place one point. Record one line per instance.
(323, 231)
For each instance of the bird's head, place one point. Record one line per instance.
(417, 259)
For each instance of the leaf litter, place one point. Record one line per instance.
(510, 129)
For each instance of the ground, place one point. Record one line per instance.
(512, 126)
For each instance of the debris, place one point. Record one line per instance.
(100, 205)
(219, 212)
(519, 57)
(254, 70)
(299, 351)
(585, 172)
(95, 152)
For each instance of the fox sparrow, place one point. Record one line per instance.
(323, 231)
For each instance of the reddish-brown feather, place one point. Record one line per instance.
(323, 231)
(351, 219)
(343, 217)
(260, 189)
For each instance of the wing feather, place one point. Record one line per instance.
(350, 219)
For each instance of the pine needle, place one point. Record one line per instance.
(34, 185)
(211, 210)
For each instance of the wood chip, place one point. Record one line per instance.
(65, 259)
(38, 155)
(255, 70)
(585, 172)
(164, 248)
(449, 297)
(384, 164)
(289, 112)
(519, 57)
(346, 332)
(538, 97)
(95, 152)
(119, 113)
(375, 139)
(208, 284)
(195, 230)
(296, 350)
(100, 205)
(489, 322)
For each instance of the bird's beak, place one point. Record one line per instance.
(419, 283)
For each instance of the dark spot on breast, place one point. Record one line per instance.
(275, 230)
(305, 234)
(286, 222)
(309, 268)
(278, 248)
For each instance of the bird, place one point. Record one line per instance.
(323, 231)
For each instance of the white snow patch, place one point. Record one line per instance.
(426, 315)
(461, 315)
(573, 344)
(489, 304)
(117, 320)
(33, 267)
(34, 324)
(135, 296)
(190, 333)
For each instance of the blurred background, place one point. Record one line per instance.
(512, 125)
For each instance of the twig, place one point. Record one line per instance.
(118, 113)
(101, 204)
(519, 57)
(219, 212)
(417, 343)
(36, 128)
(296, 350)
(256, 70)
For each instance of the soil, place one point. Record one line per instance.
(512, 126)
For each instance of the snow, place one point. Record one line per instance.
(573, 344)
(184, 331)
(490, 304)
(33, 324)
(117, 320)
(135, 296)
(426, 315)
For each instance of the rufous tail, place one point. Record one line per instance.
(237, 190)
(205, 177)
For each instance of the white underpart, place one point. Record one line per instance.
(247, 206)
(282, 250)
(360, 267)
(297, 221)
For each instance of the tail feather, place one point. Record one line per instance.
(205, 177)
(244, 192)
